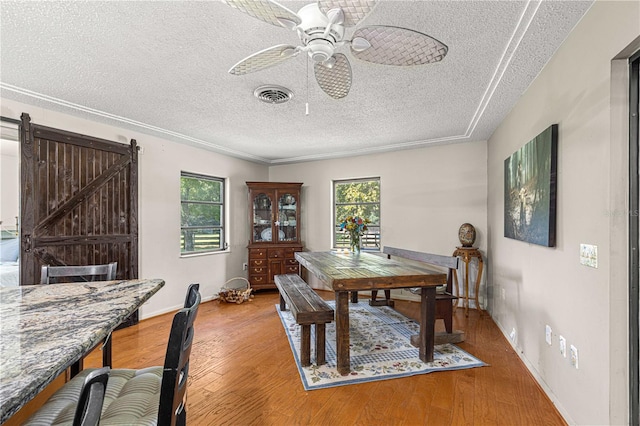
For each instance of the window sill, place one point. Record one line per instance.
(208, 253)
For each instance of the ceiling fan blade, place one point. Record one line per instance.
(397, 46)
(264, 59)
(268, 11)
(334, 80)
(354, 10)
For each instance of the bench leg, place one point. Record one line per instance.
(448, 317)
(444, 311)
(283, 304)
(386, 302)
(305, 346)
(320, 344)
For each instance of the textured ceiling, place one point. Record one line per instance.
(161, 68)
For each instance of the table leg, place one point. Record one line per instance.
(427, 323)
(342, 332)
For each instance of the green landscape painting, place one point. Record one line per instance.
(530, 190)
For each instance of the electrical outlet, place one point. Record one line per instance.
(512, 335)
(548, 334)
(503, 293)
(245, 266)
(563, 346)
(574, 356)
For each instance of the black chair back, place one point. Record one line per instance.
(83, 273)
(91, 399)
(192, 293)
(172, 410)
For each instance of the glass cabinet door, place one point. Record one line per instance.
(262, 217)
(287, 217)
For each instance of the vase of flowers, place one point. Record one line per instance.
(355, 226)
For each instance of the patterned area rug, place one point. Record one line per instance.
(380, 349)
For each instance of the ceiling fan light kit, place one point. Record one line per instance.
(321, 28)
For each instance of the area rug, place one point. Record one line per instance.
(380, 349)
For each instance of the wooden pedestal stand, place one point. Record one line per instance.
(467, 254)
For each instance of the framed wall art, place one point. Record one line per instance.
(530, 190)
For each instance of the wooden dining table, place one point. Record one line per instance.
(347, 272)
(44, 329)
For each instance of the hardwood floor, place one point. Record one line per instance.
(243, 373)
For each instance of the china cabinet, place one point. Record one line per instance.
(274, 219)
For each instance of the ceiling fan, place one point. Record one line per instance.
(321, 29)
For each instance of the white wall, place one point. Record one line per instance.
(159, 206)
(426, 194)
(548, 285)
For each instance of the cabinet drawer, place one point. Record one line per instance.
(291, 262)
(290, 252)
(258, 271)
(258, 253)
(291, 269)
(258, 263)
(275, 253)
(257, 279)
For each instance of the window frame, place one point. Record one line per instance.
(222, 203)
(334, 219)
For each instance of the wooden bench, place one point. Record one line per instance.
(308, 309)
(444, 301)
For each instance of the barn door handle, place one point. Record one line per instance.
(27, 243)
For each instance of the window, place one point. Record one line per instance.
(361, 198)
(201, 214)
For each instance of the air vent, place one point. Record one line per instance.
(273, 94)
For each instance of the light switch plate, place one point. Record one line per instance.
(563, 346)
(589, 255)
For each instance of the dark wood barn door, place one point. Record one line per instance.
(79, 201)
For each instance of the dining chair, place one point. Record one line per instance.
(153, 395)
(82, 273)
(79, 402)
(78, 273)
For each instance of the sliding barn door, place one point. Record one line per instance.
(79, 201)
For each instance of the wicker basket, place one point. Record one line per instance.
(235, 292)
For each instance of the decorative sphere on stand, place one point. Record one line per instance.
(467, 235)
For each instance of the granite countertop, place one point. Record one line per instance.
(46, 328)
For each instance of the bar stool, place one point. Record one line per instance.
(151, 396)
